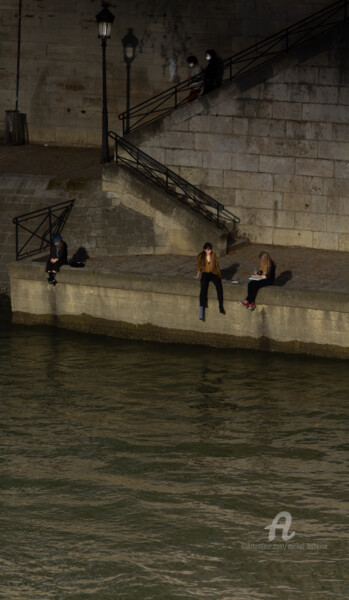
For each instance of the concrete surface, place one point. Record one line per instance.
(166, 309)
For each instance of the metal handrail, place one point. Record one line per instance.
(172, 183)
(240, 63)
(49, 220)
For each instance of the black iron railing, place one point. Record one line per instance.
(241, 63)
(127, 154)
(39, 227)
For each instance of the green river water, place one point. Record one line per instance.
(139, 471)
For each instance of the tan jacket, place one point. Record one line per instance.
(209, 267)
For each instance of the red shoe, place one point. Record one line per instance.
(252, 306)
(244, 303)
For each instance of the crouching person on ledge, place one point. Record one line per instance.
(58, 257)
(209, 268)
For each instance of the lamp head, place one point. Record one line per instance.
(104, 23)
(129, 43)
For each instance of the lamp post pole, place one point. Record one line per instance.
(129, 43)
(128, 69)
(105, 158)
(104, 22)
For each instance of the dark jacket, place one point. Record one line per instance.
(57, 251)
(213, 73)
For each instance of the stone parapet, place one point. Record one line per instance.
(166, 309)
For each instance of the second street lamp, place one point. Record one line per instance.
(104, 22)
(129, 43)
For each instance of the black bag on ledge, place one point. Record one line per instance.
(79, 259)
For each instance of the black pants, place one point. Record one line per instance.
(205, 280)
(254, 286)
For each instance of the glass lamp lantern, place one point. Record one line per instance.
(129, 43)
(104, 23)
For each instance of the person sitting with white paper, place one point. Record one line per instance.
(261, 278)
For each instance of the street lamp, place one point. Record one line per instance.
(129, 43)
(104, 22)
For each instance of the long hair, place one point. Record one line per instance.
(202, 255)
(265, 262)
(207, 246)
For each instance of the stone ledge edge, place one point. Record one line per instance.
(273, 296)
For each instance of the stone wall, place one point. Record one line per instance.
(165, 309)
(60, 72)
(126, 217)
(275, 150)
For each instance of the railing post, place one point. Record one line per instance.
(50, 223)
(16, 239)
(116, 150)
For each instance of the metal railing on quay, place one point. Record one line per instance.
(173, 184)
(240, 63)
(40, 224)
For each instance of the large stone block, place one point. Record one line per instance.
(297, 184)
(248, 181)
(257, 199)
(172, 140)
(292, 147)
(338, 224)
(309, 131)
(326, 113)
(240, 126)
(333, 150)
(336, 187)
(220, 124)
(276, 164)
(293, 237)
(256, 234)
(343, 242)
(342, 169)
(325, 241)
(309, 221)
(217, 143)
(217, 160)
(266, 127)
(329, 75)
(183, 158)
(275, 218)
(202, 123)
(314, 167)
(340, 132)
(244, 162)
(286, 110)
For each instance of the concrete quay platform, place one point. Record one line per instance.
(156, 298)
(131, 302)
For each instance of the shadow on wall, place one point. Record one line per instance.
(283, 278)
(229, 272)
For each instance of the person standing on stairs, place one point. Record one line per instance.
(209, 269)
(213, 74)
(194, 78)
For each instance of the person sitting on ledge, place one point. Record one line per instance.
(58, 257)
(209, 268)
(261, 278)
